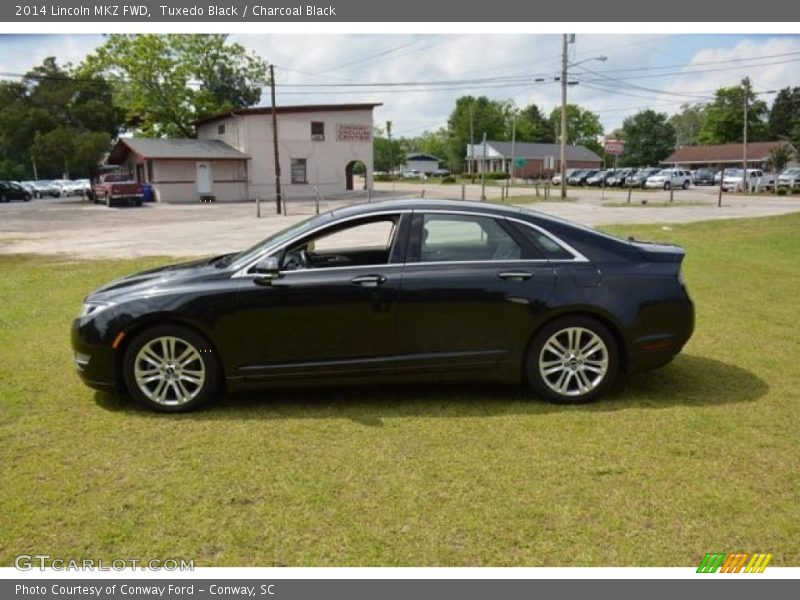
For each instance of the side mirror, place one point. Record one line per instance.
(267, 270)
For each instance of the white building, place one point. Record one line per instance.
(421, 162)
(232, 158)
(318, 145)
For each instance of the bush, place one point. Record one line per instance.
(383, 178)
(782, 191)
(796, 190)
(448, 179)
(496, 175)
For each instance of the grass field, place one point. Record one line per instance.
(699, 456)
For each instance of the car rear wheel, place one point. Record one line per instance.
(686, 185)
(667, 186)
(171, 369)
(572, 360)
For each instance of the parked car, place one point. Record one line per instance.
(704, 176)
(670, 179)
(10, 190)
(45, 188)
(580, 177)
(412, 174)
(789, 178)
(620, 177)
(409, 290)
(639, 179)
(600, 178)
(757, 179)
(441, 173)
(556, 180)
(117, 189)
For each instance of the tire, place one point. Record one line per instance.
(667, 185)
(26, 197)
(571, 377)
(3, 198)
(685, 185)
(157, 376)
(108, 202)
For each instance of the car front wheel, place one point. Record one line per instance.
(572, 360)
(171, 369)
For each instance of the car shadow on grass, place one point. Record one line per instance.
(689, 381)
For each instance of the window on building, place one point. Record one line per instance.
(299, 170)
(318, 131)
(221, 128)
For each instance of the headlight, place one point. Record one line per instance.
(92, 308)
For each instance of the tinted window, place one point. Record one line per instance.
(456, 238)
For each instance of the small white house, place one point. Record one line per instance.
(421, 162)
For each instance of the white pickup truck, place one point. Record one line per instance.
(757, 180)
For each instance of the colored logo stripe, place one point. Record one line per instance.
(734, 563)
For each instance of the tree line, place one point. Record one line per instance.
(649, 136)
(60, 120)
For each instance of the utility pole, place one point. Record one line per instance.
(513, 145)
(563, 136)
(278, 195)
(471, 141)
(483, 169)
(35, 173)
(746, 86)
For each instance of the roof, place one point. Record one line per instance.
(422, 156)
(174, 148)
(756, 151)
(300, 108)
(540, 151)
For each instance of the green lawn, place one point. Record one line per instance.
(702, 455)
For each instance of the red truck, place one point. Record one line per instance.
(117, 189)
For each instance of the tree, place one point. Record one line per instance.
(533, 127)
(687, 124)
(583, 127)
(779, 157)
(649, 138)
(166, 82)
(488, 116)
(62, 121)
(385, 155)
(784, 117)
(724, 117)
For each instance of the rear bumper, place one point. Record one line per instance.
(657, 347)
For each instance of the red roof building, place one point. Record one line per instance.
(722, 154)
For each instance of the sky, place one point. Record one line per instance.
(639, 71)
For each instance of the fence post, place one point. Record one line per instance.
(671, 190)
(369, 195)
(463, 191)
(630, 187)
(284, 204)
(258, 207)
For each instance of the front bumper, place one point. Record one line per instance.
(95, 362)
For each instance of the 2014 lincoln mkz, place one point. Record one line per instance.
(413, 289)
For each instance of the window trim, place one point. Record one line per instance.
(243, 272)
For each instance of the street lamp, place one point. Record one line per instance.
(565, 64)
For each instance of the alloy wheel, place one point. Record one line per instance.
(573, 361)
(169, 371)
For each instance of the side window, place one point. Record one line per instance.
(465, 238)
(360, 243)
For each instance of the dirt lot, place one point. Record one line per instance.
(74, 227)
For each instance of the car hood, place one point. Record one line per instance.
(152, 280)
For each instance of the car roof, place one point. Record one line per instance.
(427, 204)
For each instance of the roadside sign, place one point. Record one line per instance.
(614, 147)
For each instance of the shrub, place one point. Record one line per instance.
(496, 175)
(781, 191)
(383, 178)
(796, 190)
(448, 179)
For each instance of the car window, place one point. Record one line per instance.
(466, 238)
(359, 243)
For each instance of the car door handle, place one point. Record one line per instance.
(515, 275)
(369, 280)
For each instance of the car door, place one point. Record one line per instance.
(334, 315)
(471, 292)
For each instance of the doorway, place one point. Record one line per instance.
(354, 168)
(203, 178)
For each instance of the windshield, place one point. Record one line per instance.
(666, 172)
(244, 257)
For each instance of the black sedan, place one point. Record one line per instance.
(411, 289)
(13, 191)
